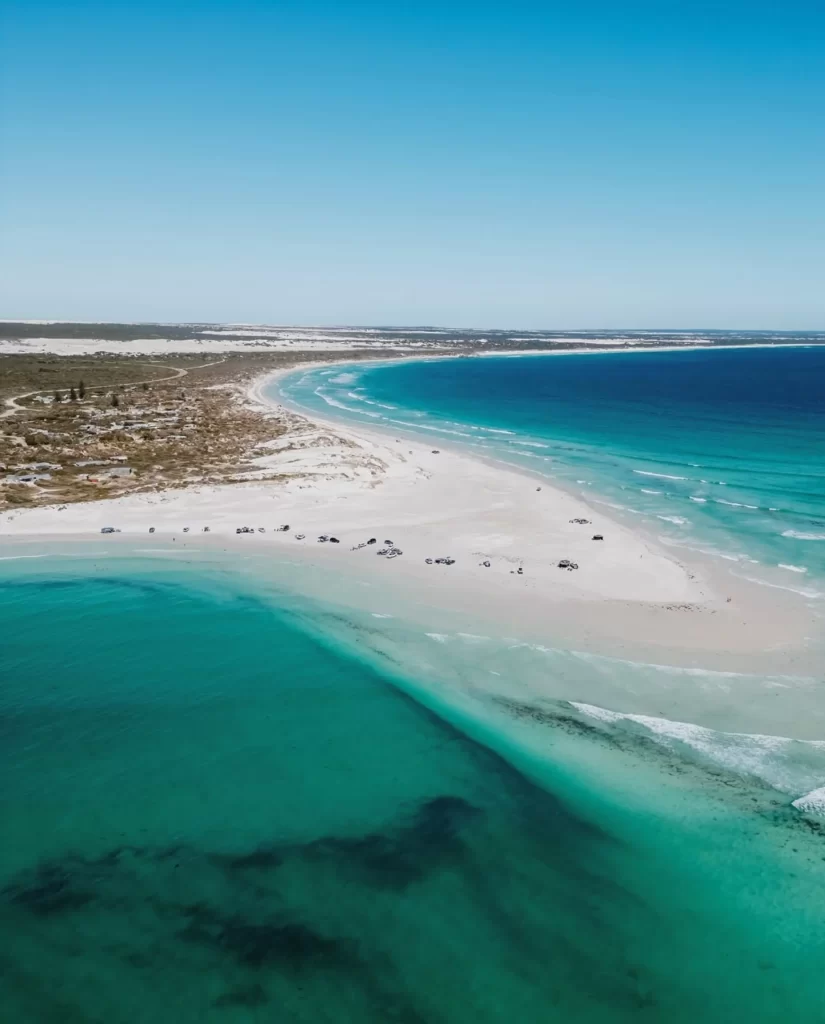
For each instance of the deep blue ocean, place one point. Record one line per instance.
(722, 450)
(227, 801)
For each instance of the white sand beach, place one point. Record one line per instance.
(628, 594)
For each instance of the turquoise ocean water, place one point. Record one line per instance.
(722, 450)
(226, 800)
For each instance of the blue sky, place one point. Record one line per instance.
(603, 164)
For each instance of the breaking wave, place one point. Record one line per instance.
(661, 476)
(789, 765)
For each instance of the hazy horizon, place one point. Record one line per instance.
(408, 327)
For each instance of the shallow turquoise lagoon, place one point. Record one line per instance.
(215, 808)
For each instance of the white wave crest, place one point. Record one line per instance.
(347, 408)
(786, 764)
(797, 535)
(661, 476)
(424, 426)
(734, 504)
(368, 401)
(813, 802)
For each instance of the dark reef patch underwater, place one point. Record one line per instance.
(212, 814)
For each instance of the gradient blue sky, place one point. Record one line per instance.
(597, 164)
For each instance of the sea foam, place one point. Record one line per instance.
(769, 758)
(813, 802)
(661, 476)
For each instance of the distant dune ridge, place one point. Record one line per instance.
(77, 338)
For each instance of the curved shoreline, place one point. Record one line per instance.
(705, 563)
(629, 597)
(757, 630)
